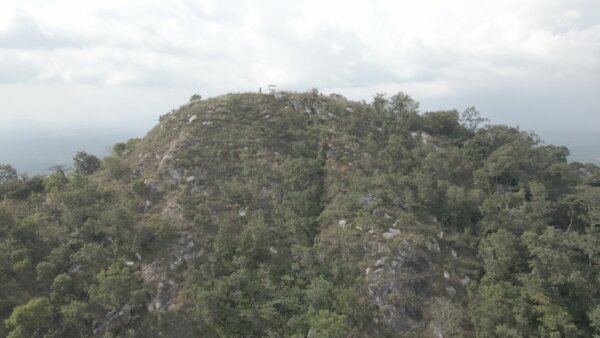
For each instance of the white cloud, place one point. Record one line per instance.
(430, 49)
(571, 14)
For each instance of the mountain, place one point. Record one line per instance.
(304, 215)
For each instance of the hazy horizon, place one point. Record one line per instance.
(33, 147)
(88, 74)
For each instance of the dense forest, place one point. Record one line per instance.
(305, 215)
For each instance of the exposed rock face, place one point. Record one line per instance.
(113, 319)
(422, 136)
(337, 151)
(186, 252)
(374, 248)
(369, 199)
(395, 283)
(391, 233)
(173, 175)
(166, 294)
(432, 245)
(173, 211)
(451, 291)
(164, 290)
(178, 175)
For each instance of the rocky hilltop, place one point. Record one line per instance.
(304, 215)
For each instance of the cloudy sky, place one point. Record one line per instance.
(118, 65)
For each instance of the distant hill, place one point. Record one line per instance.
(304, 215)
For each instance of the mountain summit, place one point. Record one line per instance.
(304, 215)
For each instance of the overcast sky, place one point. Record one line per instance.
(121, 64)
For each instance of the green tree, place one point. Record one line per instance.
(594, 316)
(85, 163)
(30, 319)
(7, 173)
(115, 286)
(57, 180)
(327, 324)
(498, 310)
(503, 256)
(380, 103)
(471, 119)
(75, 320)
(10, 185)
(402, 104)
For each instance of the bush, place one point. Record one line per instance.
(116, 168)
(195, 98)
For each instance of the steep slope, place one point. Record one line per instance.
(301, 169)
(298, 214)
